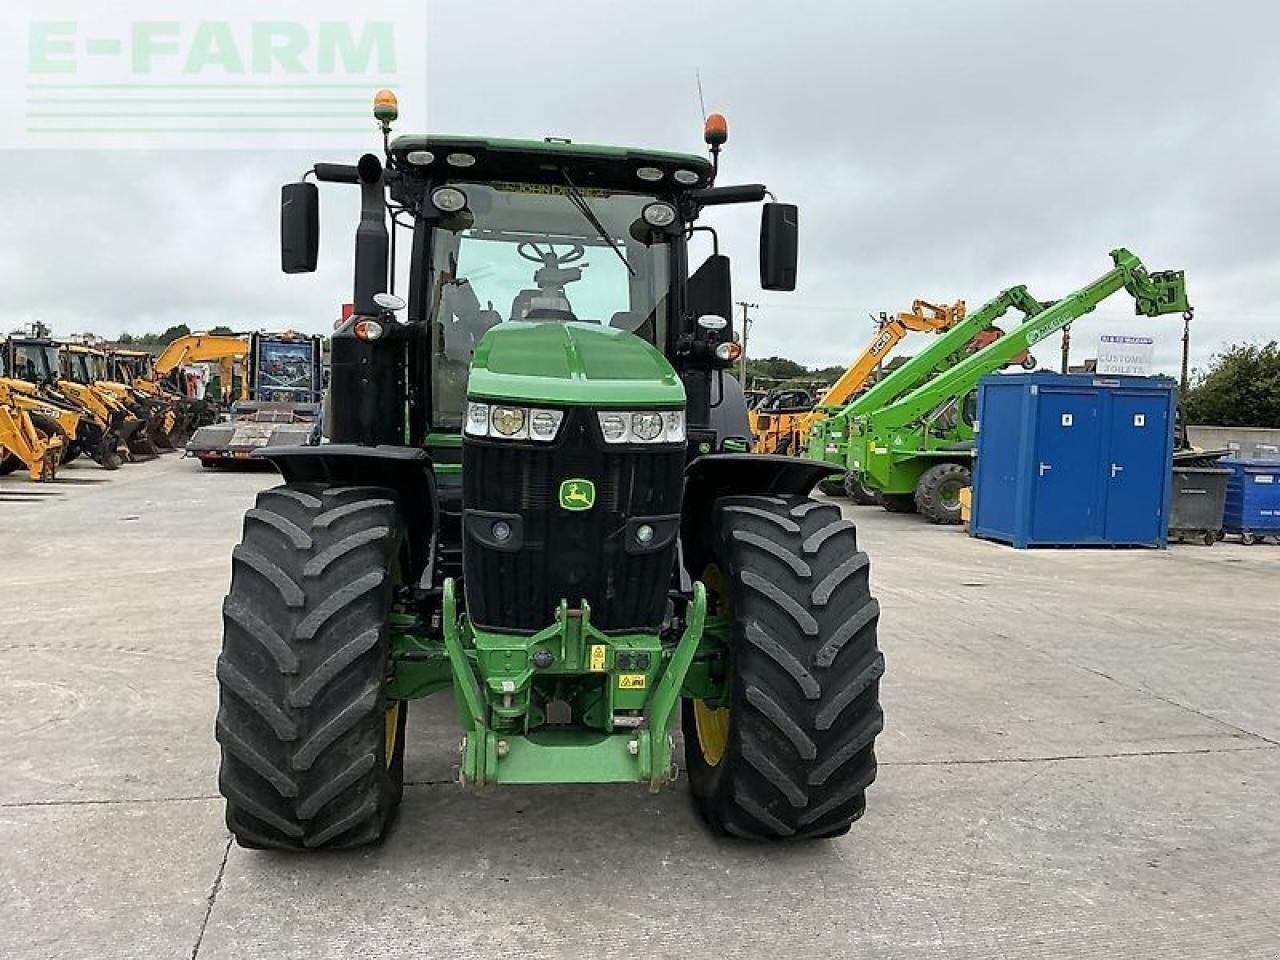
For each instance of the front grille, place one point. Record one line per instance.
(570, 555)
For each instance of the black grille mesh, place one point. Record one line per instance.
(569, 555)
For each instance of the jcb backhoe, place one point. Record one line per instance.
(168, 414)
(32, 368)
(83, 378)
(22, 443)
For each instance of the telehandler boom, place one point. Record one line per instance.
(786, 431)
(911, 437)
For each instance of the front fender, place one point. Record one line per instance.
(407, 470)
(718, 475)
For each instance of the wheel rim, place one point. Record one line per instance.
(392, 724)
(950, 496)
(711, 724)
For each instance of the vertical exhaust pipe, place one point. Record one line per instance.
(372, 239)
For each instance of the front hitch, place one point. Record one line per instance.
(497, 749)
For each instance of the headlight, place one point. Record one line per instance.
(642, 426)
(507, 422)
(614, 427)
(673, 421)
(545, 424)
(477, 424)
(646, 427)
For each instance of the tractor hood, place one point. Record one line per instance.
(571, 364)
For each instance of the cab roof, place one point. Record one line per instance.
(542, 161)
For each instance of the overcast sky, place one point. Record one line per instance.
(937, 149)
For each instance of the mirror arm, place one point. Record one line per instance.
(336, 173)
(716, 196)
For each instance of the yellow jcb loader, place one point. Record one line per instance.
(23, 444)
(29, 369)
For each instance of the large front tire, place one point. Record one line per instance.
(312, 752)
(792, 753)
(938, 492)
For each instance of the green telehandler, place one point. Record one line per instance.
(527, 500)
(909, 439)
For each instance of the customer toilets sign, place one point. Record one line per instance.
(1127, 356)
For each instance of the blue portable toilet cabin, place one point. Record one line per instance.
(1074, 459)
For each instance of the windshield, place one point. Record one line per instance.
(285, 365)
(525, 252)
(34, 362)
(75, 367)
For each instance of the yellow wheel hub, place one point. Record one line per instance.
(392, 724)
(712, 726)
(712, 723)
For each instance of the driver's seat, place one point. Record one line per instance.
(545, 305)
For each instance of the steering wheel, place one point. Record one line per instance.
(533, 253)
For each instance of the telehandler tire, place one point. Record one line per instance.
(938, 492)
(312, 752)
(832, 486)
(898, 502)
(856, 489)
(791, 754)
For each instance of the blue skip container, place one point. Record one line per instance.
(1253, 499)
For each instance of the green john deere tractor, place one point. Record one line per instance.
(530, 498)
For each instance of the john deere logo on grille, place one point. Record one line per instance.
(577, 494)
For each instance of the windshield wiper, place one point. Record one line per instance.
(579, 201)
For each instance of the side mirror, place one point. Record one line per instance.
(299, 227)
(779, 242)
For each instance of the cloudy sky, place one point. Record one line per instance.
(937, 149)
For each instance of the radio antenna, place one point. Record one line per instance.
(702, 104)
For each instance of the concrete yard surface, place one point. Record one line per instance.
(1081, 758)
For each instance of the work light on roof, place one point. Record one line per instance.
(448, 199)
(659, 214)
